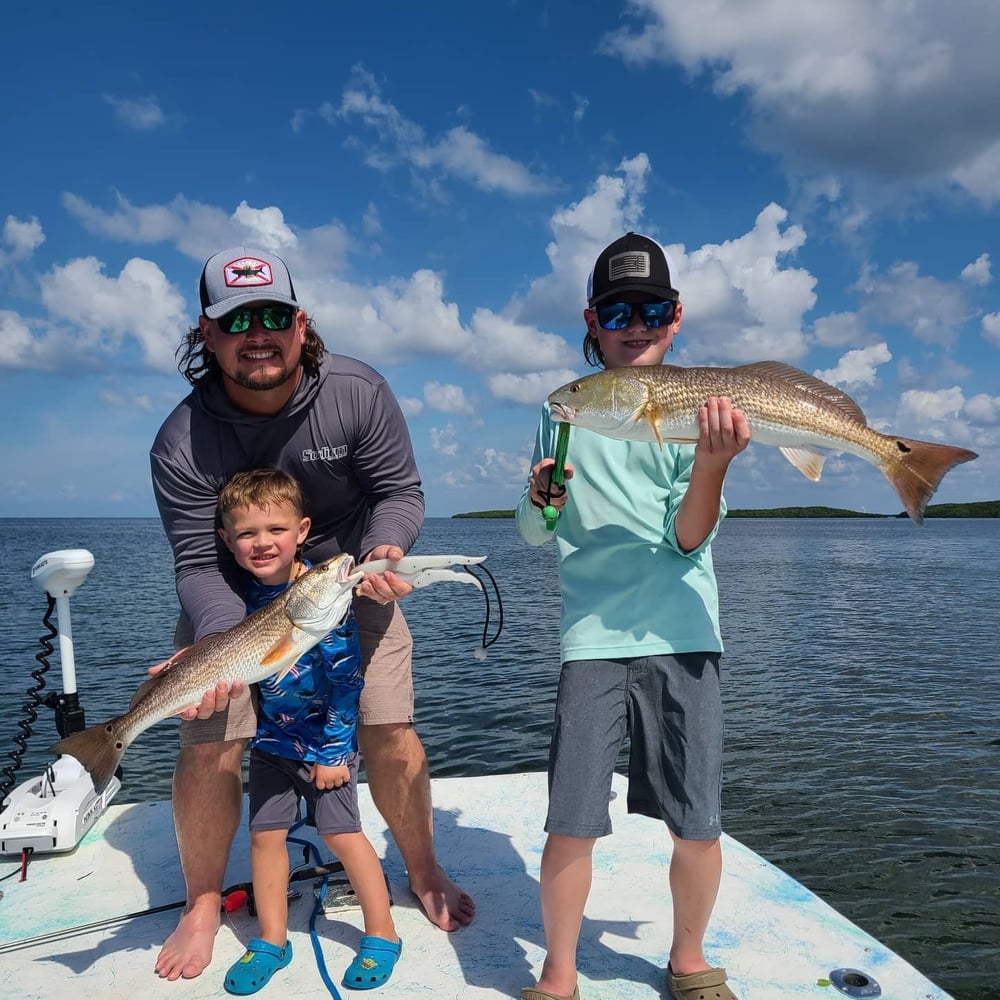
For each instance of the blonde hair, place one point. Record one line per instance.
(261, 488)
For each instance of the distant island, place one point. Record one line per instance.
(982, 508)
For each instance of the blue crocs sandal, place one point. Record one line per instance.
(373, 964)
(254, 970)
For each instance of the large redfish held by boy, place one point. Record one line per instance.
(267, 642)
(789, 409)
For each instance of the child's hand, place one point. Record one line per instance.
(723, 432)
(542, 491)
(329, 775)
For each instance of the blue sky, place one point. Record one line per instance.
(440, 178)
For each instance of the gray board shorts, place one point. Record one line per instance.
(671, 708)
(277, 784)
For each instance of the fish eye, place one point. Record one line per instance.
(575, 387)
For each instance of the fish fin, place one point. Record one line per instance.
(808, 383)
(650, 414)
(150, 683)
(280, 651)
(919, 471)
(98, 749)
(807, 460)
(146, 687)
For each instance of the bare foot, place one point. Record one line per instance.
(188, 951)
(443, 902)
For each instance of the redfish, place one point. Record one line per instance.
(789, 409)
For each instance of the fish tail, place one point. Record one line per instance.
(918, 470)
(98, 749)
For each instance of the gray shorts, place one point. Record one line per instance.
(277, 784)
(387, 660)
(671, 708)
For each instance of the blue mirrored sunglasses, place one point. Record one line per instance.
(273, 317)
(618, 315)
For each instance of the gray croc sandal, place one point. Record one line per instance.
(707, 985)
(531, 993)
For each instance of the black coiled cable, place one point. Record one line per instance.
(28, 709)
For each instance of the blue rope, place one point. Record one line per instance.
(308, 846)
(314, 938)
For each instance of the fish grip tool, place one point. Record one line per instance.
(549, 512)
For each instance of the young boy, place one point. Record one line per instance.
(639, 632)
(306, 743)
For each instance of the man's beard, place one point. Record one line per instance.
(262, 381)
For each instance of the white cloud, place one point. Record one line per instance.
(444, 440)
(983, 409)
(370, 221)
(741, 300)
(458, 153)
(529, 389)
(18, 346)
(740, 303)
(932, 310)
(197, 229)
(991, 328)
(447, 398)
(980, 174)
(838, 329)
(140, 113)
(613, 205)
(411, 406)
(23, 238)
(541, 99)
(499, 342)
(120, 401)
(857, 85)
(979, 271)
(933, 405)
(503, 467)
(140, 304)
(857, 368)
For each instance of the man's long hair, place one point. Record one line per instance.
(199, 365)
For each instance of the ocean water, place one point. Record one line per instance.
(861, 686)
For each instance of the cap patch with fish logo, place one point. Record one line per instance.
(248, 272)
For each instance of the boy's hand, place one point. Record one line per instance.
(542, 491)
(723, 432)
(330, 775)
(385, 587)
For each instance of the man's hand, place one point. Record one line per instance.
(383, 587)
(214, 700)
(330, 775)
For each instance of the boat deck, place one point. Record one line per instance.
(777, 939)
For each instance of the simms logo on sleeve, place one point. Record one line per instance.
(324, 454)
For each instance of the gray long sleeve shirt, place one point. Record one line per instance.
(342, 435)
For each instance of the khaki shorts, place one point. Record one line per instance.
(387, 660)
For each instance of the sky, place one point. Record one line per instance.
(440, 178)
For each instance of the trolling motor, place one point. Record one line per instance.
(51, 813)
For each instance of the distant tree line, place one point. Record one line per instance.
(983, 508)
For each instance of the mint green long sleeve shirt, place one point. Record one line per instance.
(627, 588)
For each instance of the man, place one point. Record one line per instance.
(266, 392)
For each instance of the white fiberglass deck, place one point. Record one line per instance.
(776, 938)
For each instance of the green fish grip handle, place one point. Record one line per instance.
(549, 512)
